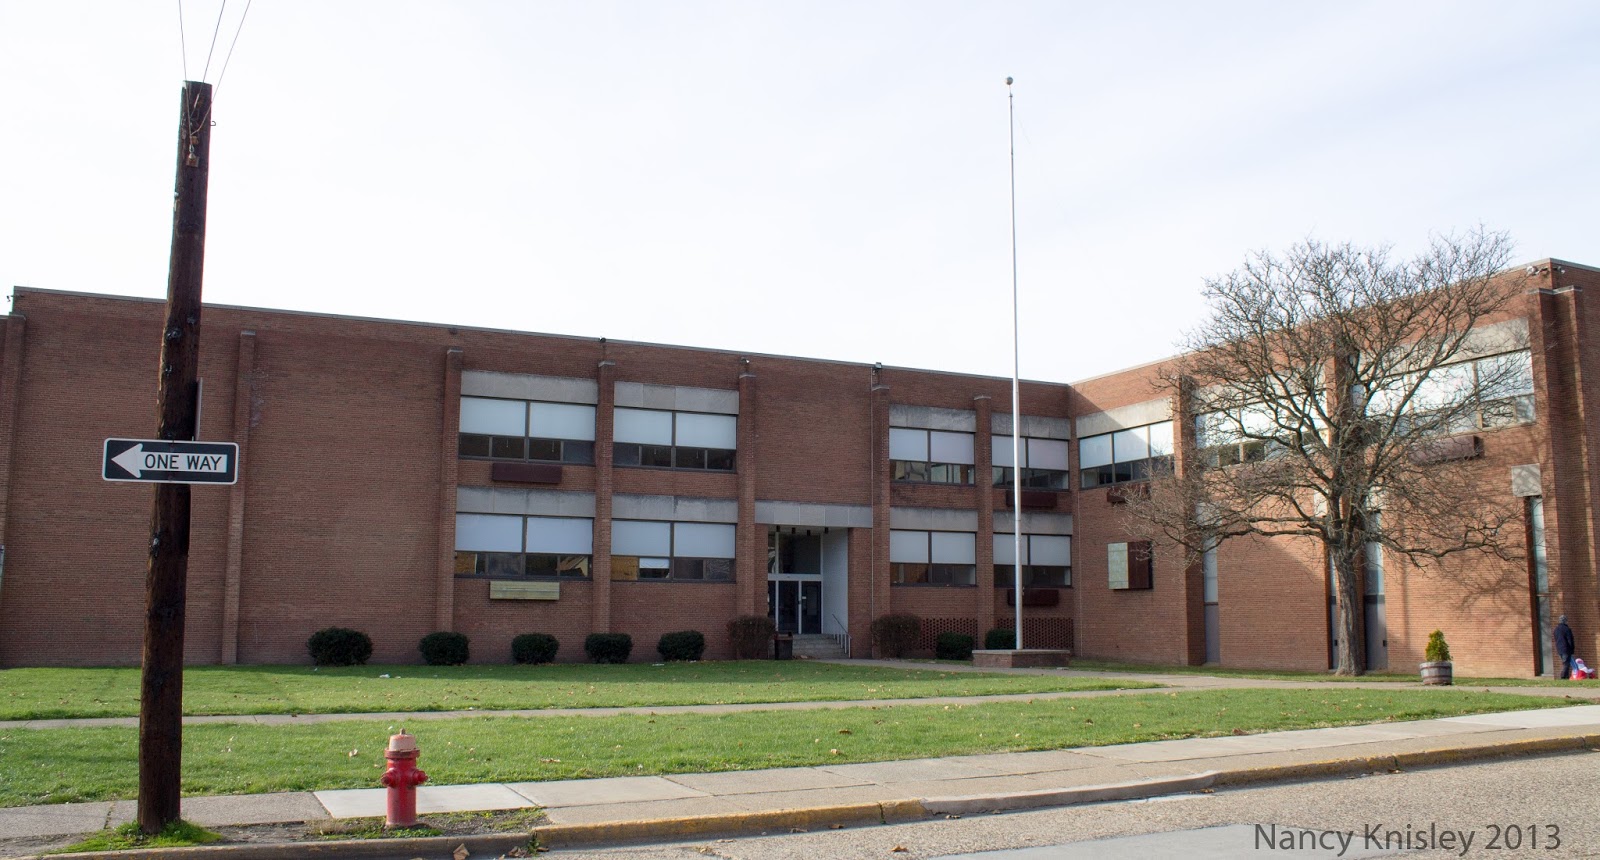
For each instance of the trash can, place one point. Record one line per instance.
(782, 646)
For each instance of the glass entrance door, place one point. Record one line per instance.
(795, 605)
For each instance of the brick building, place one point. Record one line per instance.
(499, 483)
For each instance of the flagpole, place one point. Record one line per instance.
(1016, 378)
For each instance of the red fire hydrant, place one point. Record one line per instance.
(402, 778)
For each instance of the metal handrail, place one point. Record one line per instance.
(843, 637)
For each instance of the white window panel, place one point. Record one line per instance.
(643, 426)
(944, 447)
(908, 444)
(1512, 374)
(1094, 451)
(1384, 398)
(1046, 454)
(1055, 550)
(640, 537)
(1130, 445)
(1117, 565)
(908, 546)
(494, 417)
(1258, 422)
(1005, 548)
(703, 540)
(1444, 387)
(563, 535)
(1001, 452)
(655, 563)
(708, 431)
(488, 533)
(1160, 436)
(955, 548)
(561, 421)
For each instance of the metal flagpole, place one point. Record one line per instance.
(1016, 378)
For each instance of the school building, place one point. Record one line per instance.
(403, 478)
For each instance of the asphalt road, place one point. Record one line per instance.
(1504, 807)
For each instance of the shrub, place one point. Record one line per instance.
(608, 647)
(895, 634)
(682, 645)
(1000, 639)
(444, 648)
(339, 646)
(751, 636)
(534, 648)
(953, 646)
(1437, 651)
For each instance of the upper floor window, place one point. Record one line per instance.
(527, 430)
(1483, 393)
(504, 546)
(1126, 455)
(1242, 436)
(1044, 463)
(933, 558)
(930, 456)
(675, 440)
(1046, 561)
(648, 549)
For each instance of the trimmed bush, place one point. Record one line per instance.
(895, 634)
(1000, 639)
(751, 636)
(339, 646)
(953, 646)
(534, 648)
(1437, 651)
(686, 645)
(608, 647)
(444, 648)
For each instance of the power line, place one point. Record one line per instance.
(183, 48)
(237, 30)
(214, 33)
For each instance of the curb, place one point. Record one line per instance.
(1132, 790)
(811, 818)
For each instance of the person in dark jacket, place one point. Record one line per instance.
(1564, 644)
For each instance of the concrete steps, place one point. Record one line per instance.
(818, 647)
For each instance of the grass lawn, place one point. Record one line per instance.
(27, 694)
(77, 764)
(1280, 675)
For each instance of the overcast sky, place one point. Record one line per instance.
(801, 178)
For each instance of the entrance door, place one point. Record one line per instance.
(1376, 616)
(795, 605)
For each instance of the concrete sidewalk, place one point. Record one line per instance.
(684, 806)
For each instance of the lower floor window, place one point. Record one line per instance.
(522, 564)
(921, 573)
(1033, 576)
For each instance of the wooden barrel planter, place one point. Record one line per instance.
(1438, 674)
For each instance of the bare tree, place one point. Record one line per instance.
(1324, 398)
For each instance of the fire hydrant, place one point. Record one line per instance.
(402, 778)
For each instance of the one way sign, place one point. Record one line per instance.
(157, 461)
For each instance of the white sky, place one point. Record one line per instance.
(804, 178)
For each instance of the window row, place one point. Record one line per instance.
(500, 545)
(950, 558)
(1125, 455)
(1483, 393)
(564, 433)
(946, 457)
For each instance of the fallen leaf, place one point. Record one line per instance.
(899, 849)
(846, 732)
(461, 852)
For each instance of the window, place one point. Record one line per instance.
(1129, 566)
(933, 558)
(496, 545)
(675, 440)
(1044, 463)
(1126, 455)
(1248, 435)
(649, 550)
(930, 456)
(1484, 393)
(527, 430)
(1046, 561)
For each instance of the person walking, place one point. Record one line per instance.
(1564, 644)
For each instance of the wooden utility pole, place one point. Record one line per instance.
(161, 688)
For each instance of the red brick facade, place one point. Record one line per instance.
(345, 509)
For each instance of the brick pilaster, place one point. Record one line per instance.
(604, 424)
(444, 601)
(244, 418)
(750, 577)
